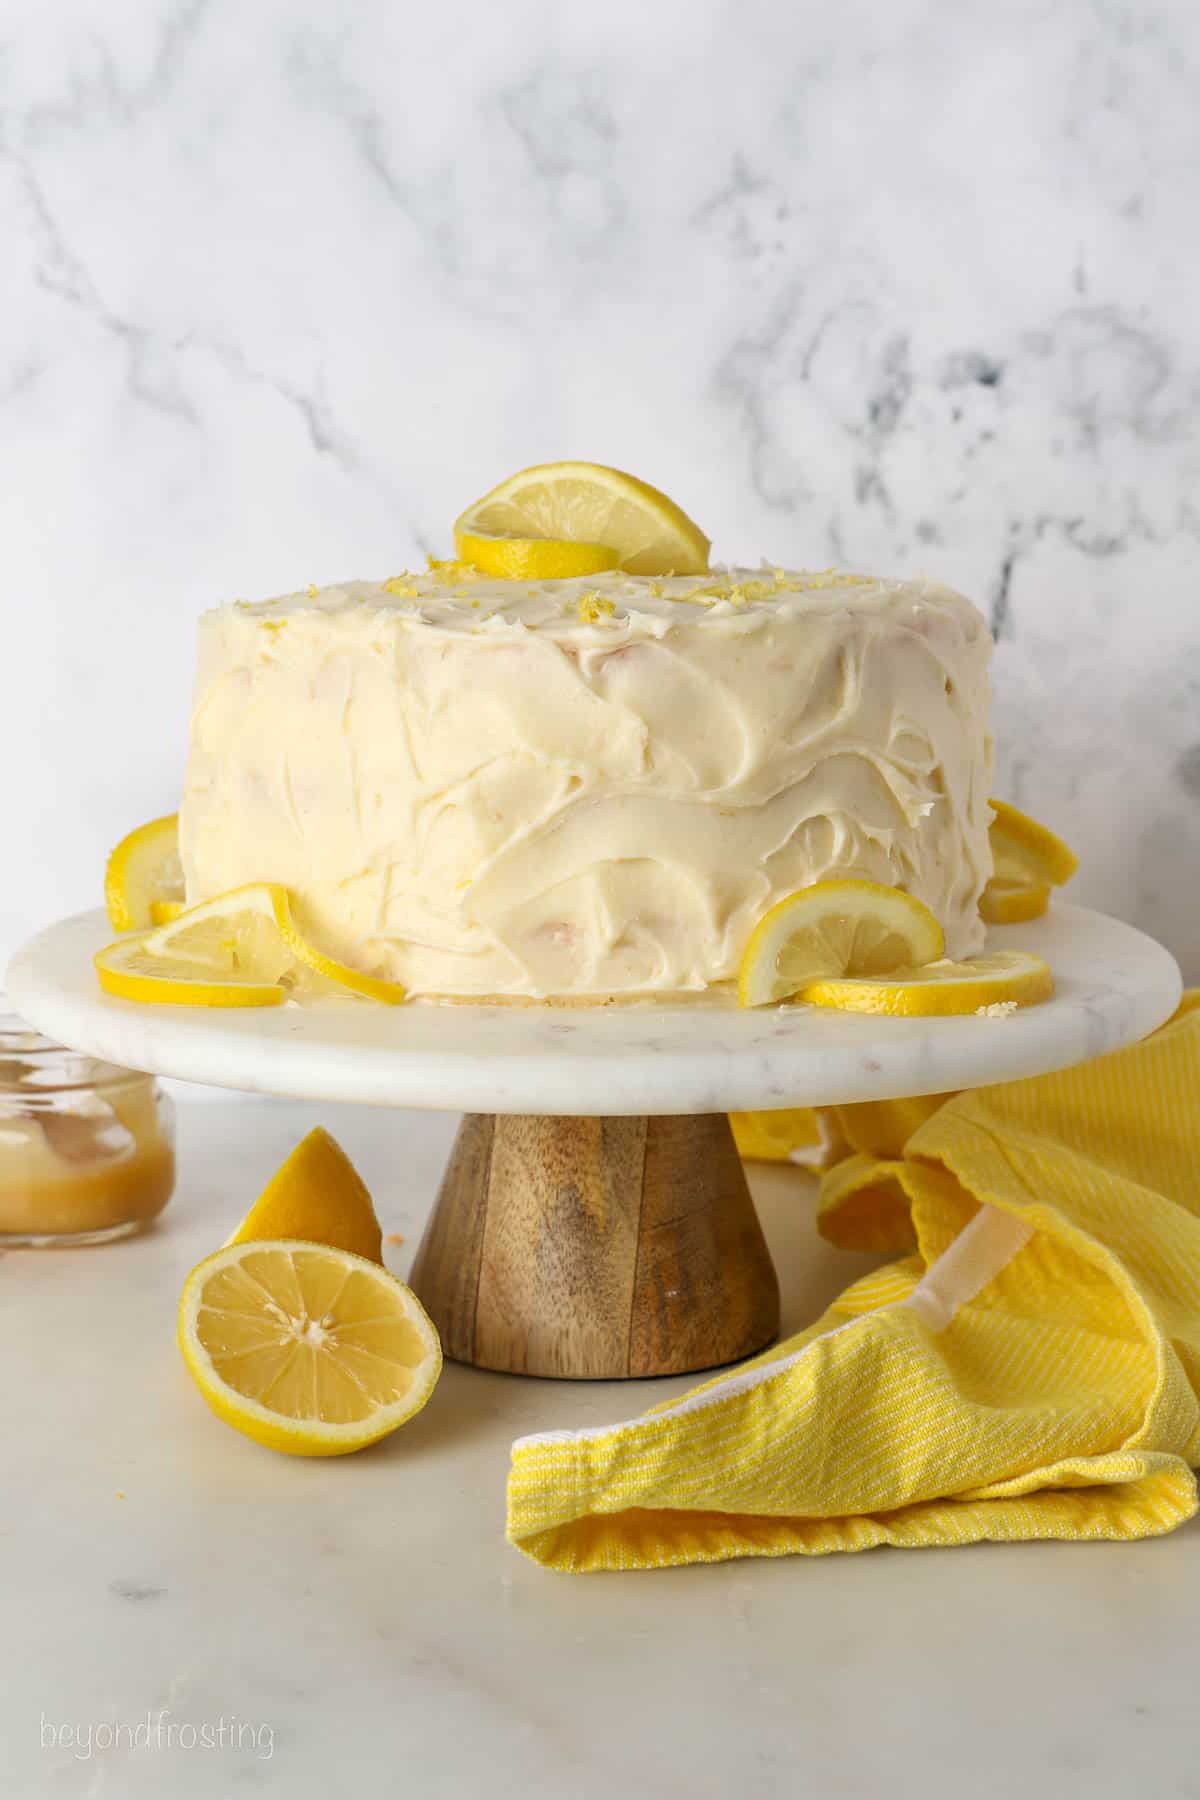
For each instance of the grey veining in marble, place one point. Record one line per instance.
(911, 287)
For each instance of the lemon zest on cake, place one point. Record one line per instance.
(593, 607)
(449, 571)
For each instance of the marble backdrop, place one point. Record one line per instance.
(911, 285)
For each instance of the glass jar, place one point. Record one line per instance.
(87, 1149)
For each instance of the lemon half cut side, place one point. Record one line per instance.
(306, 1348)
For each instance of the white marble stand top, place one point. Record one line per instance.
(1113, 986)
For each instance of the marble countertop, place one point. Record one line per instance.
(330, 1624)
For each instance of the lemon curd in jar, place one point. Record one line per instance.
(87, 1149)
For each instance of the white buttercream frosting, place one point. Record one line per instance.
(587, 788)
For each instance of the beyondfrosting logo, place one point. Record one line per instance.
(158, 1731)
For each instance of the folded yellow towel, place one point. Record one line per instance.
(1031, 1371)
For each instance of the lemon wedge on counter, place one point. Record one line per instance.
(578, 511)
(143, 872)
(305, 1347)
(1007, 979)
(1013, 902)
(1024, 851)
(318, 1195)
(243, 948)
(834, 929)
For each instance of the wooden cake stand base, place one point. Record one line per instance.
(596, 1248)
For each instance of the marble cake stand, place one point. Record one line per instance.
(594, 1220)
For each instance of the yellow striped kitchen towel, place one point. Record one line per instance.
(1030, 1370)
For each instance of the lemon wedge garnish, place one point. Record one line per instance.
(1025, 852)
(1007, 979)
(143, 871)
(772, 1136)
(831, 929)
(579, 509)
(316, 1194)
(1013, 902)
(304, 1347)
(243, 948)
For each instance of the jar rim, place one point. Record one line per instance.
(57, 1067)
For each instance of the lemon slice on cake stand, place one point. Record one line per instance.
(240, 949)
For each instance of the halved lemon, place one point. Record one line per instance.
(578, 507)
(316, 1194)
(143, 871)
(243, 948)
(306, 1348)
(1008, 978)
(1024, 851)
(835, 928)
(1012, 902)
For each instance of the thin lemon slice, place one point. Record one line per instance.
(306, 1348)
(339, 974)
(1012, 902)
(243, 948)
(130, 971)
(143, 871)
(587, 505)
(1024, 851)
(533, 559)
(316, 1194)
(772, 1136)
(831, 929)
(1008, 979)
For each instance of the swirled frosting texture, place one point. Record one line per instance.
(587, 788)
